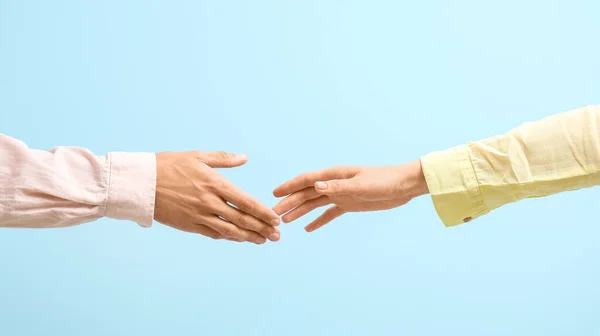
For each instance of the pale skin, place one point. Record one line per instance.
(191, 196)
(349, 189)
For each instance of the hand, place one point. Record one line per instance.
(191, 196)
(350, 189)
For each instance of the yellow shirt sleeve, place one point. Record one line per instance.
(555, 154)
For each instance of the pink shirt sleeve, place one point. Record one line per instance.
(68, 186)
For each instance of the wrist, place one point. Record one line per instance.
(162, 164)
(414, 183)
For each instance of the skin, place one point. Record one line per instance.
(191, 196)
(349, 189)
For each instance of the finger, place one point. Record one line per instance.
(233, 239)
(248, 204)
(222, 159)
(248, 222)
(329, 215)
(230, 230)
(295, 200)
(205, 231)
(338, 187)
(308, 179)
(305, 208)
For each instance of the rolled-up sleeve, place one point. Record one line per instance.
(68, 186)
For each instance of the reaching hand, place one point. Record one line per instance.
(191, 196)
(350, 189)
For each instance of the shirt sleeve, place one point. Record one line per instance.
(69, 186)
(552, 155)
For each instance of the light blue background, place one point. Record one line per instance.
(300, 86)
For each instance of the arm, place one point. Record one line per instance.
(68, 186)
(555, 154)
(558, 153)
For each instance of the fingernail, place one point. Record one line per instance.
(275, 222)
(242, 156)
(321, 185)
(274, 236)
(260, 240)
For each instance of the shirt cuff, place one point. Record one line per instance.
(453, 185)
(132, 187)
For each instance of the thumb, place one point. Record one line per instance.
(223, 159)
(336, 187)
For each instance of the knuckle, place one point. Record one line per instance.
(214, 235)
(205, 201)
(196, 157)
(266, 230)
(217, 183)
(204, 198)
(288, 203)
(221, 155)
(228, 231)
(247, 204)
(242, 220)
(298, 197)
(303, 196)
(199, 218)
(252, 237)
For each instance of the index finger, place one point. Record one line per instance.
(308, 179)
(248, 204)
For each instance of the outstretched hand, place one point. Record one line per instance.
(349, 189)
(191, 196)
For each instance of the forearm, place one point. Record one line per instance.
(555, 154)
(68, 186)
